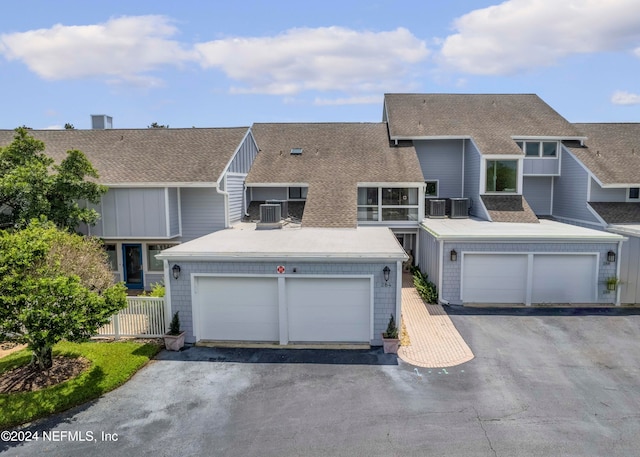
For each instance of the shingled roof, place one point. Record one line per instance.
(617, 212)
(509, 208)
(612, 152)
(491, 120)
(335, 158)
(164, 156)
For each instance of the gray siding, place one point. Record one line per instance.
(541, 166)
(429, 256)
(452, 270)
(442, 160)
(245, 156)
(570, 191)
(174, 214)
(630, 271)
(202, 212)
(538, 191)
(260, 194)
(235, 187)
(131, 213)
(598, 194)
(472, 179)
(384, 301)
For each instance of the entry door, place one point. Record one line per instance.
(132, 255)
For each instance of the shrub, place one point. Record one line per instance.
(392, 329)
(426, 289)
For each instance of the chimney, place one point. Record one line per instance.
(101, 122)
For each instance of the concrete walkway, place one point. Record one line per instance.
(434, 340)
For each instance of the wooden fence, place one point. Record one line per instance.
(144, 317)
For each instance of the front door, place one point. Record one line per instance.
(132, 255)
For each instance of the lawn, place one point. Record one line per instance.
(112, 364)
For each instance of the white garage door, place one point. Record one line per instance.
(329, 309)
(494, 278)
(237, 309)
(564, 278)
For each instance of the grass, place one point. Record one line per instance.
(112, 364)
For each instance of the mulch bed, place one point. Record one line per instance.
(26, 379)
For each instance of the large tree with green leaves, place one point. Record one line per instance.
(54, 285)
(32, 185)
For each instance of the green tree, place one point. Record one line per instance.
(69, 126)
(31, 185)
(54, 285)
(155, 125)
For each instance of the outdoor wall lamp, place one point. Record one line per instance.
(453, 255)
(386, 271)
(176, 271)
(611, 256)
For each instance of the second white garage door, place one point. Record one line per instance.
(329, 309)
(504, 278)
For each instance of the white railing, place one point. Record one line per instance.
(144, 317)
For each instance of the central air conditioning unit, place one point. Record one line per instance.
(437, 208)
(284, 207)
(459, 208)
(269, 217)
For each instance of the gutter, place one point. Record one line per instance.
(282, 257)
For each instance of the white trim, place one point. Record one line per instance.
(167, 294)
(618, 269)
(464, 152)
(349, 258)
(179, 212)
(432, 137)
(225, 170)
(125, 239)
(167, 214)
(281, 184)
(440, 268)
(603, 223)
(437, 181)
(398, 297)
(159, 184)
(548, 138)
(553, 189)
(235, 173)
(390, 184)
(283, 311)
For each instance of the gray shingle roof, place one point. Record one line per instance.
(617, 212)
(509, 208)
(491, 120)
(335, 157)
(146, 155)
(612, 152)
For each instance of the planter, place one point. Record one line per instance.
(611, 287)
(390, 345)
(174, 342)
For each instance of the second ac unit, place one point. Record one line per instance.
(270, 214)
(437, 208)
(459, 208)
(284, 207)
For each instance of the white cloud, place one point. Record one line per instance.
(120, 48)
(363, 100)
(522, 34)
(625, 98)
(323, 59)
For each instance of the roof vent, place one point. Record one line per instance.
(101, 122)
(459, 208)
(437, 208)
(269, 217)
(296, 151)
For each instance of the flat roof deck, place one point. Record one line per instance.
(476, 229)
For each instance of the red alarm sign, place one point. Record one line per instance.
(280, 269)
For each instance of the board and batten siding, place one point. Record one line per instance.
(174, 213)
(541, 166)
(537, 191)
(245, 156)
(235, 188)
(571, 190)
(132, 213)
(441, 160)
(202, 211)
(472, 179)
(429, 255)
(598, 194)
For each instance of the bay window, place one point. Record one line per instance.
(385, 204)
(502, 176)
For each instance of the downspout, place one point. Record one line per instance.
(618, 271)
(244, 199)
(225, 194)
(440, 272)
(398, 293)
(167, 295)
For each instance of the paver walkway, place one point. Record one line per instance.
(435, 342)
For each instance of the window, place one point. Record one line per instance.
(431, 189)
(113, 256)
(634, 193)
(297, 193)
(377, 204)
(502, 176)
(153, 249)
(539, 148)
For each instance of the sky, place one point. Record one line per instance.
(219, 63)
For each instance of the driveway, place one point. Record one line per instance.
(543, 382)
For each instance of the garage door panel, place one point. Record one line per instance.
(329, 309)
(494, 278)
(564, 278)
(238, 309)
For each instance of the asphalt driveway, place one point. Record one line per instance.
(543, 382)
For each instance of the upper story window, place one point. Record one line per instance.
(539, 148)
(431, 189)
(382, 204)
(298, 193)
(634, 193)
(502, 176)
